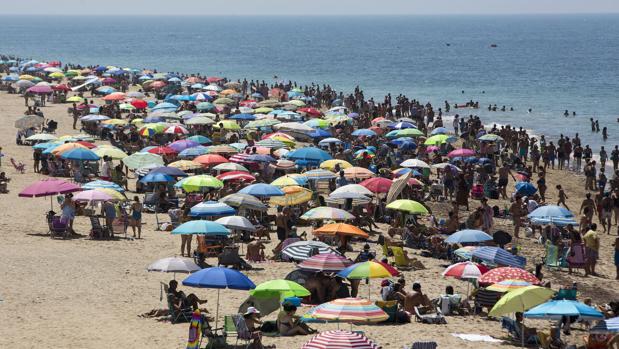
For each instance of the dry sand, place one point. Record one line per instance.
(82, 293)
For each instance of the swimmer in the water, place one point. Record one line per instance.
(567, 113)
(530, 110)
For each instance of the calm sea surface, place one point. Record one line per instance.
(547, 63)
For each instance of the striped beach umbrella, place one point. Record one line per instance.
(465, 270)
(498, 256)
(340, 340)
(325, 262)
(301, 250)
(508, 285)
(365, 270)
(353, 310)
(328, 213)
(607, 326)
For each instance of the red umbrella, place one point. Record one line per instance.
(108, 81)
(62, 87)
(247, 103)
(157, 84)
(210, 159)
(140, 104)
(340, 340)
(162, 151)
(236, 176)
(212, 79)
(497, 275)
(377, 130)
(465, 270)
(377, 184)
(87, 144)
(310, 111)
(393, 271)
(241, 158)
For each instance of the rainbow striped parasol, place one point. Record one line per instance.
(325, 262)
(508, 285)
(353, 310)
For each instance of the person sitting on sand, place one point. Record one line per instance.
(179, 300)
(4, 181)
(255, 251)
(416, 299)
(288, 324)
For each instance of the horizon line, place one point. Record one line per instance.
(314, 14)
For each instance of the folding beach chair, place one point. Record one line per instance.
(180, 314)
(486, 299)
(57, 226)
(423, 345)
(243, 333)
(436, 319)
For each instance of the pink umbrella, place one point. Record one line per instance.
(432, 148)
(465, 270)
(377, 184)
(325, 262)
(92, 196)
(49, 187)
(41, 89)
(340, 340)
(461, 152)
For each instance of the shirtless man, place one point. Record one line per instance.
(517, 211)
(416, 299)
(588, 202)
(504, 172)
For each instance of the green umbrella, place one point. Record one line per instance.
(201, 182)
(437, 140)
(141, 160)
(281, 288)
(409, 206)
(409, 132)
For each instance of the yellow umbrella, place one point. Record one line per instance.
(56, 75)
(67, 146)
(137, 121)
(113, 193)
(227, 92)
(185, 165)
(26, 77)
(116, 122)
(294, 195)
(228, 125)
(76, 99)
(330, 164)
(285, 181)
(111, 152)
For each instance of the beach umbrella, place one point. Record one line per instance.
(340, 340)
(557, 309)
(262, 190)
(271, 143)
(139, 104)
(230, 166)
(465, 270)
(237, 223)
(468, 236)
(367, 270)
(325, 262)
(185, 165)
(29, 121)
(489, 137)
(200, 139)
(353, 310)
(200, 183)
(606, 326)
(243, 201)
(412, 163)
(211, 208)
(49, 187)
(162, 150)
(222, 149)
(80, 154)
(497, 275)
(293, 195)
(236, 176)
(439, 139)
(210, 159)
(260, 158)
(408, 206)
(156, 178)
(352, 188)
(173, 265)
(508, 285)
(177, 130)
(41, 137)
(40, 89)
(330, 140)
(301, 250)
(309, 154)
(498, 256)
(285, 181)
(141, 160)
(363, 132)
(92, 196)
(201, 227)
(407, 132)
(550, 213)
(358, 173)
(525, 189)
(319, 174)
(462, 152)
(116, 195)
(377, 185)
(327, 213)
(111, 152)
(279, 288)
(169, 170)
(402, 125)
(341, 229)
(219, 278)
(103, 184)
(193, 152)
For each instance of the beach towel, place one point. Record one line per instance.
(576, 256)
(195, 330)
(476, 337)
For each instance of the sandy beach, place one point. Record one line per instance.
(82, 293)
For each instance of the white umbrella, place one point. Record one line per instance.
(41, 137)
(351, 188)
(236, 222)
(293, 126)
(173, 265)
(415, 163)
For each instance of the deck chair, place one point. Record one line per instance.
(243, 334)
(437, 318)
(180, 314)
(486, 299)
(422, 345)
(554, 258)
(97, 231)
(19, 166)
(514, 333)
(566, 293)
(58, 227)
(403, 262)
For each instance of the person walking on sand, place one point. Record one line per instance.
(504, 172)
(614, 157)
(136, 216)
(616, 258)
(562, 197)
(517, 211)
(592, 246)
(606, 215)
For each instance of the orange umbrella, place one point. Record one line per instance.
(67, 146)
(341, 229)
(210, 159)
(115, 96)
(358, 172)
(227, 92)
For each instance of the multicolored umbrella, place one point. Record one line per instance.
(497, 275)
(340, 340)
(353, 310)
(465, 270)
(341, 229)
(103, 184)
(293, 195)
(365, 270)
(606, 326)
(327, 213)
(508, 285)
(325, 262)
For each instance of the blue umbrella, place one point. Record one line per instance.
(468, 236)
(560, 222)
(401, 140)
(211, 208)
(156, 178)
(402, 125)
(242, 117)
(46, 145)
(499, 256)
(319, 133)
(260, 158)
(309, 154)
(256, 95)
(364, 132)
(261, 190)
(607, 326)
(439, 131)
(525, 188)
(183, 97)
(551, 211)
(165, 106)
(80, 154)
(103, 184)
(200, 139)
(170, 171)
(192, 152)
(556, 309)
(219, 278)
(208, 228)
(409, 145)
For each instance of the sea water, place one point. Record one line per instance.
(546, 63)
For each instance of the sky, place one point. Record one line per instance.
(307, 7)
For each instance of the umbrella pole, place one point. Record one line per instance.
(522, 334)
(51, 203)
(369, 289)
(217, 309)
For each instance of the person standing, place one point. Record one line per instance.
(614, 157)
(136, 216)
(616, 258)
(517, 211)
(592, 246)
